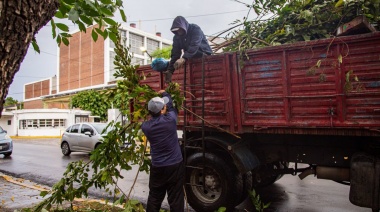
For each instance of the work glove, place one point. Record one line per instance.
(179, 63)
(168, 76)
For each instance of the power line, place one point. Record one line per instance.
(192, 16)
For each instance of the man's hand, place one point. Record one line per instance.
(179, 63)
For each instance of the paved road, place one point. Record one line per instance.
(41, 161)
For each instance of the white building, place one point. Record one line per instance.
(41, 122)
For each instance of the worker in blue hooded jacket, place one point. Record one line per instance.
(190, 39)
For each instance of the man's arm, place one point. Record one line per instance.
(169, 105)
(175, 54)
(196, 40)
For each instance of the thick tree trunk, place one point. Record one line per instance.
(20, 20)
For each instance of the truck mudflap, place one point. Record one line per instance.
(244, 159)
(365, 181)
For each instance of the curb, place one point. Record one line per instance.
(11, 180)
(20, 182)
(34, 137)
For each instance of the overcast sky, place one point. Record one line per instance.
(212, 16)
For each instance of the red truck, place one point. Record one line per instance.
(247, 116)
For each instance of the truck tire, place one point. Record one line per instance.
(223, 184)
(259, 180)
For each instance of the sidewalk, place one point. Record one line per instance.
(16, 193)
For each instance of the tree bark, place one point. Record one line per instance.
(20, 20)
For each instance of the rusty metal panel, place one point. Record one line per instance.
(363, 101)
(262, 88)
(312, 86)
(303, 86)
(217, 98)
(152, 78)
(217, 106)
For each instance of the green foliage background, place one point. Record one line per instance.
(163, 53)
(281, 21)
(93, 101)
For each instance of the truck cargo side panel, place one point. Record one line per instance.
(363, 103)
(308, 87)
(262, 90)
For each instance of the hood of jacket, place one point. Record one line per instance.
(180, 22)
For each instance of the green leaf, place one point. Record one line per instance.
(123, 17)
(59, 14)
(119, 3)
(86, 19)
(112, 36)
(53, 28)
(104, 33)
(70, 2)
(35, 46)
(94, 35)
(81, 26)
(106, 11)
(222, 209)
(59, 40)
(110, 21)
(106, 1)
(73, 15)
(133, 202)
(340, 59)
(318, 63)
(67, 35)
(99, 31)
(62, 27)
(43, 193)
(65, 41)
(339, 3)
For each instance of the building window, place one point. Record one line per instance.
(9, 122)
(164, 45)
(42, 123)
(135, 42)
(152, 45)
(137, 61)
(123, 35)
(81, 118)
(59, 123)
(112, 65)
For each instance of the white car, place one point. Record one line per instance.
(6, 143)
(82, 137)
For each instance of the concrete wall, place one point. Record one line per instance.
(8, 123)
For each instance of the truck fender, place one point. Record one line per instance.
(244, 159)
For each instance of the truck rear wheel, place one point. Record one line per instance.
(213, 185)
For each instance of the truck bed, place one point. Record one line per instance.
(324, 87)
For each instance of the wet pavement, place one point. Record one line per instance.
(288, 194)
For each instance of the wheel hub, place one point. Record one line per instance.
(210, 182)
(210, 190)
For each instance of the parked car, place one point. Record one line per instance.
(6, 143)
(82, 137)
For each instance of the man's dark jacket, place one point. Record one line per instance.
(194, 42)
